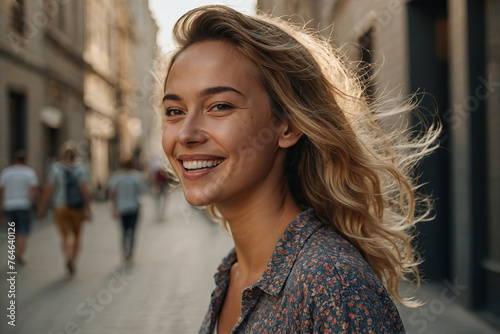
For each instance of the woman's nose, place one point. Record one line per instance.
(192, 130)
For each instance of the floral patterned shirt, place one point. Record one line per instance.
(315, 282)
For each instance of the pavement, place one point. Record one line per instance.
(441, 313)
(167, 287)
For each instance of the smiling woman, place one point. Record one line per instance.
(267, 126)
(214, 101)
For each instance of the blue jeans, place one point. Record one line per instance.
(129, 221)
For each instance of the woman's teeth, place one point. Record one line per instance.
(201, 164)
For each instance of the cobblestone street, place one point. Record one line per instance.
(166, 289)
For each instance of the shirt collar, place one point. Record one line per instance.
(285, 254)
(281, 263)
(224, 269)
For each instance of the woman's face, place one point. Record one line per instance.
(219, 134)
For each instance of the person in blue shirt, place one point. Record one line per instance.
(267, 126)
(126, 186)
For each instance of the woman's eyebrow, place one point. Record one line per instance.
(204, 93)
(218, 89)
(172, 97)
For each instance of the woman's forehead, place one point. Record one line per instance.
(211, 51)
(212, 61)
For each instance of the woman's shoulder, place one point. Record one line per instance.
(345, 258)
(323, 252)
(330, 277)
(331, 264)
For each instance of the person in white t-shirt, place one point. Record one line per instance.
(126, 186)
(18, 188)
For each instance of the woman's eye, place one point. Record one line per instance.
(173, 112)
(221, 107)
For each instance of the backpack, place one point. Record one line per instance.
(74, 196)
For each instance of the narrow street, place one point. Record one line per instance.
(167, 287)
(165, 290)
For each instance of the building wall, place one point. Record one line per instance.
(315, 14)
(120, 50)
(21, 80)
(475, 125)
(78, 61)
(101, 83)
(143, 123)
(461, 213)
(387, 21)
(43, 59)
(490, 91)
(345, 23)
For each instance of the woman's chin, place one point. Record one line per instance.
(197, 199)
(202, 195)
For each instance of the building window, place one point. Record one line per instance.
(17, 128)
(17, 15)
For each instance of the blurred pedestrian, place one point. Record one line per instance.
(67, 188)
(161, 189)
(126, 185)
(18, 190)
(267, 126)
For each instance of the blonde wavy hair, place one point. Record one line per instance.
(68, 152)
(358, 178)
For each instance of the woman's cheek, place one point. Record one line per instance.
(168, 143)
(166, 139)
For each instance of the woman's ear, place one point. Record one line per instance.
(289, 136)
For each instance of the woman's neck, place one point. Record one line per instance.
(256, 226)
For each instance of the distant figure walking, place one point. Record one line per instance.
(126, 186)
(161, 189)
(68, 188)
(18, 188)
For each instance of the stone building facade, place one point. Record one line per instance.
(450, 51)
(120, 49)
(76, 70)
(41, 86)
